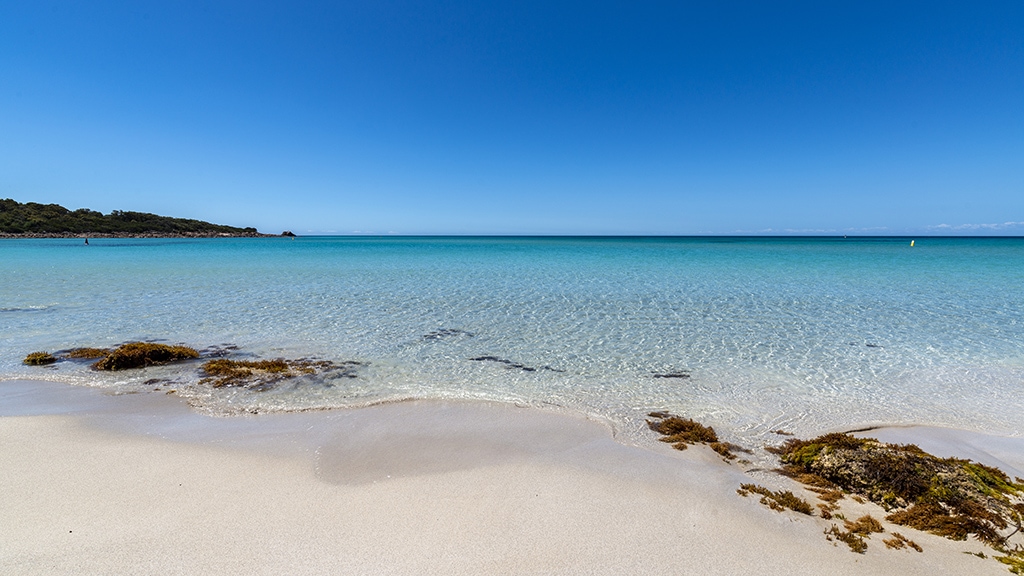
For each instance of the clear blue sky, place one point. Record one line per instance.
(522, 117)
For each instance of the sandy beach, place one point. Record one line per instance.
(139, 484)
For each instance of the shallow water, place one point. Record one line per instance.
(804, 334)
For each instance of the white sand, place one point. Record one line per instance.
(91, 484)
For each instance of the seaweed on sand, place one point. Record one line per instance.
(1014, 559)
(827, 492)
(949, 497)
(141, 354)
(777, 500)
(899, 541)
(855, 533)
(681, 432)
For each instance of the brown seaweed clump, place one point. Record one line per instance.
(949, 497)
(681, 432)
(39, 359)
(777, 500)
(224, 372)
(899, 541)
(141, 354)
(855, 533)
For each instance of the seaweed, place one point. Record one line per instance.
(956, 521)
(829, 501)
(899, 541)
(141, 354)
(779, 500)
(681, 432)
(855, 533)
(222, 372)
(981, 555)
(725, 449)
(949, 497)
(39, 359)
(855, 542)
(1014, 560)
(865, 525)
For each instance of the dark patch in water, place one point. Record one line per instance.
(218, 351)
(873, 345)
(510, 365)
(345, 369)
(679, 375)
(446, 333)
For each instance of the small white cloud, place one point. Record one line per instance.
(996, 226)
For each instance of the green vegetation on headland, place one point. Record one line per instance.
(52, 220)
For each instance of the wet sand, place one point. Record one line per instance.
(139, 484)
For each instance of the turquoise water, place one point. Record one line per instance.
(805, 334)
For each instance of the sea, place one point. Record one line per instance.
(752, 335)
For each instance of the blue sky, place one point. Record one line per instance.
(522, 118)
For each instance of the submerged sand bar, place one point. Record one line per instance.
(93, 483)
